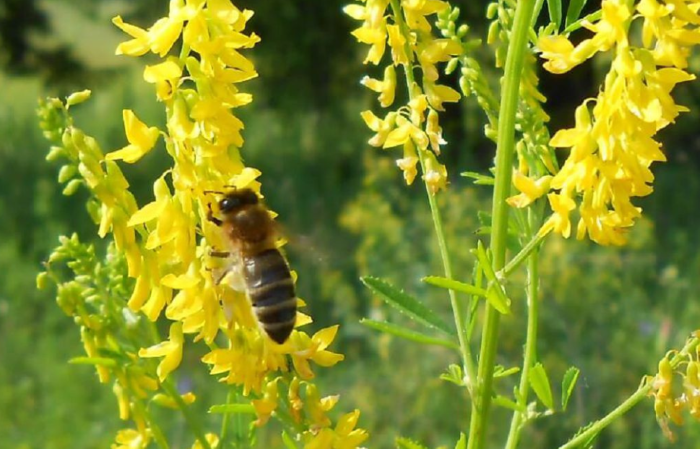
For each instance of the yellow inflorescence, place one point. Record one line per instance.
(612, 145)
(676, 388)
(169, 260)
(403, 24)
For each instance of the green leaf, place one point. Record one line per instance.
(498, 300)
(478, 178)
(508, 403)
(457, 286)
(232, 409)
(99, 361)
(408, 334)
(540, 385)
(462, 443)
(567, 385)
(500, 371)
(406, 304)
(405, 443)
(554, 7)
(574, 11)
(454, 375)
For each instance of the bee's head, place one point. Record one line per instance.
(236, 200)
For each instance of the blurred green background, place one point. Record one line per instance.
(611, 312)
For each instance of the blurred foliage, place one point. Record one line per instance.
(612, 313)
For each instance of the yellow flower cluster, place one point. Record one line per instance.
(415, 127)
(612, 145)
(169, 261)
(676, 391)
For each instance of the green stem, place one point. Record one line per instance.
(528, 249)
(504, 168)
(457, 306)
(191, 419)
(530, 347)
(158, 435)
(641, 393)
(223, 434)
(599, 425)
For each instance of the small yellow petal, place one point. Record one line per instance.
(167, 70)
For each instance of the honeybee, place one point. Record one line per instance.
(262, 271)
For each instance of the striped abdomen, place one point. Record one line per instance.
(271, 290)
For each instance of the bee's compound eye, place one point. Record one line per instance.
(228, 204)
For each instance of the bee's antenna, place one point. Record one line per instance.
(213, 191)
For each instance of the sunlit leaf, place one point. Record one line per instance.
(454, 375)
(451, 284)
(478, 178)
(232, 409)
(540, 385)
(554, 7)
(500, 371)
(568, 384)
(406, 304)
(408, 334)
(99, 361)
(508, 403)
(462, 443)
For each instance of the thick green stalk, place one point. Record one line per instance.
(457, 306)
(504, 168)
(533, 277)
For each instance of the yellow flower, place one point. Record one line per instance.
(170, 350)
(434, 131)
(212, 439)
(559, 221)
(373, 30)
(268, 404)
(318, 407)
(416, 10)
(386, 88)
(131, 439)
(434, 51)
(344, 436)
(141, 139)
(397, 42)
(438, 94)
(612, 148)
(435, 175)
(203, 138)
(165, 76)
(381, 127)
(405, 130)
(531, 189)
(304, 349)
(408, 163)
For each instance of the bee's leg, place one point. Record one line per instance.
(221, 276)
(219, 254)
(212, 218)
